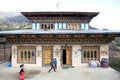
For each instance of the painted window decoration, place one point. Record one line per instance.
(46, 26)
(78, 52)
(26, 54)
(90, 53)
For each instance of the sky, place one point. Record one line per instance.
(108, 17)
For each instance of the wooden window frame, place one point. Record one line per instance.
(25, 51)
(90, 53)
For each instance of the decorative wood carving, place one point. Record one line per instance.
(60, 38)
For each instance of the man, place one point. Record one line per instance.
(55, 63)
(52, 66)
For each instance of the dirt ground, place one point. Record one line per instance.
(77, 73)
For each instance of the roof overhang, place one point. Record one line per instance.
(60, 14)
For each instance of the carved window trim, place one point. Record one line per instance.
(90, 53)
(26, 54)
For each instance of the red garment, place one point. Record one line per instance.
(22, 76)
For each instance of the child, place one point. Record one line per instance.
(22, 74)
(21, 66)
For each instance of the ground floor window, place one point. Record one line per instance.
(90, 53)
(26, 54)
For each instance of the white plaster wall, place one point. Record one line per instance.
(14, 55)
(76, 56)
(104, 51)
(39, 56)
(56, 54)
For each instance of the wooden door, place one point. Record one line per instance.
(68, 56)
(47, 55)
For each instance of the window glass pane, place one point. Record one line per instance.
(56, 25)
(88, 53)
(95, 54)
(86, 26)
(91, 54)
(38, 25)
(51, 26)
(60, 25)
(33, 25)
(33, 54)
(82, 26)
(64, 26)
(84, 54)
(28, 54)
(21, 54)
(25, 54)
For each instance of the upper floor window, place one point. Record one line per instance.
(84, 26)
(64, 26)
(38, 25)
(60, 25)
(56, 25)
(46, 26)
(35, 25)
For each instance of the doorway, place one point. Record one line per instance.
(66, 56)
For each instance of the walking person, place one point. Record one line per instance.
(52, 65)
(55, 62)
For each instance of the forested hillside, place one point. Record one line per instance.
(12, 20)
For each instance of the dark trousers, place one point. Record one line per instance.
(52, 67)
(55, 66)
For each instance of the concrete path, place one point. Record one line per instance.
(77, 73)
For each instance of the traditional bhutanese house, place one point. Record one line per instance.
(62, 35)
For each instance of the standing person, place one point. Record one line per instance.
(22, 74)
(21, 66)
(55, 63)
(52, 66)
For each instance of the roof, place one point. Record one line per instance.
(31, 31)
(59, 14)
